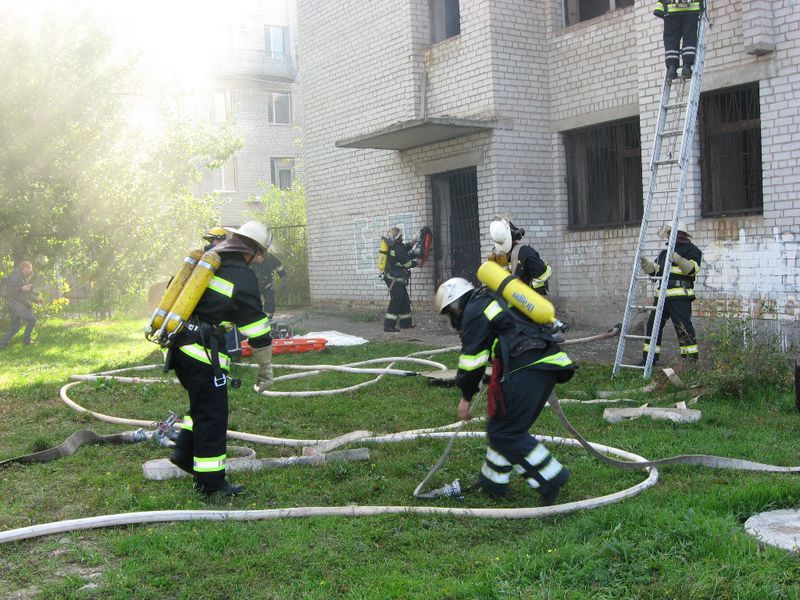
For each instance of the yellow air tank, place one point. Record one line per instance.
(526, 300)
(383, 254)
(173, 290)
(190, 295)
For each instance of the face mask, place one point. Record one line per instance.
(455, 320)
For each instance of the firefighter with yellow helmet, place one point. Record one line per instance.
(520, 259)
(201, 364)
(526, 364)
(214, 236)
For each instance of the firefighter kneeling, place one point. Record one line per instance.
(526, 365)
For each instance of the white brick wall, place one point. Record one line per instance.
(365, 66)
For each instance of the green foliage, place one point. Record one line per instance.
(106, 203)
(284, 211)
(743, 357)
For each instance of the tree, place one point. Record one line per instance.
(108, 203)
(284, 211)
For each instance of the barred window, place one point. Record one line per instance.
(604, 175)
(730, 122)
(576, 11)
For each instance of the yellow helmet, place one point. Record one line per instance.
(215, 233)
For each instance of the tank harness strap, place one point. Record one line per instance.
(208, 337)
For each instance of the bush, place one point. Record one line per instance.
(744, 354)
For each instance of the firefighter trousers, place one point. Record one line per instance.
(201, 445)
(677, 27)
(399, 312)
(680, 311)
(510, 445)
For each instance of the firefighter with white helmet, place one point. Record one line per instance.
(399, 262)
(526, 364)
(520, 259)
(684, 265)
(200, 362)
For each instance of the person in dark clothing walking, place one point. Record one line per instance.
(680, 23)
(684, 265)
(520, 259)
(265, 267)
(200, 362)
(400, 261)
(526, 365)
(21, 297)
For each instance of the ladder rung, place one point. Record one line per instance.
(645, 277)
(675, 105)
(632, 366)
(672, 132)
(666, 191)
(644, 306)
(631, 336)
(669, 161)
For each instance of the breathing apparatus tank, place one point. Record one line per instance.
(171, 293)
(522, 297)
(189, 296)
(383, 254)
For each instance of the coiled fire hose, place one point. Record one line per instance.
(632, 461)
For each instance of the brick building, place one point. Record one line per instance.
(255, 89)
(448, 112)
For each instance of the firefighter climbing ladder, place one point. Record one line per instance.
(668, 173)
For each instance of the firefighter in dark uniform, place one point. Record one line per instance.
(684, 265)
(398, 271)
(526, 365)
(200, 362)
(265, 267)
(680, 23)
(522, 260)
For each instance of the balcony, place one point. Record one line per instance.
(256, 63)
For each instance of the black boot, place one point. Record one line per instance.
(559, 482)
(686, 71)
(644, 359)
(183, 461)
(215, 483)
(672, 72)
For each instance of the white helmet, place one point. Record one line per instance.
(666, 229)
(253, 230)
(450, 291)
(500, 232)
(395, 234)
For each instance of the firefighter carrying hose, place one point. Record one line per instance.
(684, 265)
(521, 259)
(399, 262)
(526, 364)
(200, 363)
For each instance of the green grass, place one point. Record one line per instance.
(681, 539)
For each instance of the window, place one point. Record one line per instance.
(220, 106)
(456, 237)
(604, 175)
(283, 172)
(576, 11)
(276, 40)
(730, 122)
(223, 179)
(445, 18)
(280, 108)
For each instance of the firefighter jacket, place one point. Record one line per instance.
(674, 7)
(490, 329)
(680, 285)
(265, 271)
(399, 262)
(232, 296)
(530, 267)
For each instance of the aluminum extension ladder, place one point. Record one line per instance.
(668, 174)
